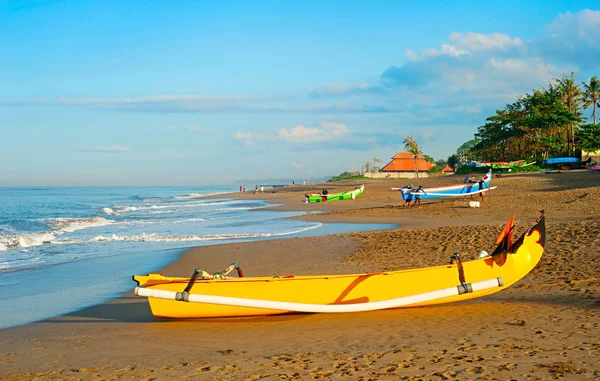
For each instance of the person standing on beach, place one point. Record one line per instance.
(244, 188)
(240, 188)
(256, 188)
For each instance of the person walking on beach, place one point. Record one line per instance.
(407, 201)
(418, 196)
(240, 188)
(244, 188)
(481, 187)
(256, 188)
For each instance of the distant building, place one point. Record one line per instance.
(405, 162)
(402, 166)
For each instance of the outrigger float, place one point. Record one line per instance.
(320, 197)
(217, 295)
(470, 187)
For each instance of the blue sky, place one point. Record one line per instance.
(199, 93)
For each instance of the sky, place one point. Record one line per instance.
(205, 93)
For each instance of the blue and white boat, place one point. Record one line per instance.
(470, 187)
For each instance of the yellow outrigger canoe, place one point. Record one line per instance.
(216, 295)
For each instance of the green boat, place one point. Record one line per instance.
(318, 197)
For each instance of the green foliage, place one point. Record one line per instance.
(588, 137)
(428, 158)
(411, 146)
(466, 169)
(347, 176)
(538, 125)
(436, 169)
(453, 160)
(535, 126)
(591, 95)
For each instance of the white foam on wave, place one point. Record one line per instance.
(25, 240)
(68, 225)
(157, 238)
(190, 195)
(109, 211)
(161, 211)
(189, 220)
(199, 195)
(119, 209)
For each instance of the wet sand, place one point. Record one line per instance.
(544, 327)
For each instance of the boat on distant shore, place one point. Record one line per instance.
(501, 164)
(469, 187)
(325, 197)
(217, 295)
(562, 160)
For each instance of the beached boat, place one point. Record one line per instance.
(216, 295)
(502, 164)
(562, 160)
(319, 197)
(470, 187)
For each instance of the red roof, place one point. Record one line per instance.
(403, 155)
(405, 162)
(448, 169)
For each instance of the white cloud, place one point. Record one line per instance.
(474, 42)
(249, 139)
(337, 129)
(445, 50)
(107, 149)
(573, 38)
(301, 134)
(296, 165)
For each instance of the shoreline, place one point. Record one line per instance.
(121, 338)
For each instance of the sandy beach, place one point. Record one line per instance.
(547, 326)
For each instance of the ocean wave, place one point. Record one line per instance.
(189, 220)
(190, 195)
(68, 225)
(109, 211)
(157, 238)
(120, 209)
(161, 211)
(25, 240)
(199, 195)
(152, 199)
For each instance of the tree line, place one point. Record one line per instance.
(549, 122)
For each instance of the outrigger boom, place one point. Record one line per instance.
(321, 308)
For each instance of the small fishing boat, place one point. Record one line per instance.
(217, 295)
(320, 197)
(469, 187)
(502, 164)
(562, 160)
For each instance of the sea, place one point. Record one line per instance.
(64, 249)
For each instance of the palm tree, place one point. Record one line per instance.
(571, 97)
(411, 146)
(591, 95)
